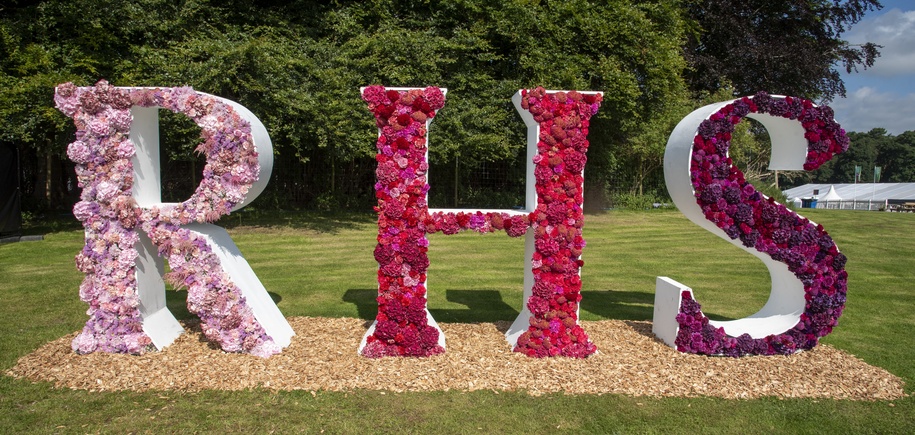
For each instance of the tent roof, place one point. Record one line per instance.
(831, 195)
(859, 192)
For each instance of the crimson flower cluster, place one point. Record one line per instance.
(564, 118)
(111, 217)
(402, 327)
(728, 200)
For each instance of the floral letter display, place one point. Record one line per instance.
(117, 156)
(557, 144)
(403, 326)
(809, 281)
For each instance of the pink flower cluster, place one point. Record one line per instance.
(564, 118)
(452, 223)
(402, 327)
(728, 200)
(111, 217)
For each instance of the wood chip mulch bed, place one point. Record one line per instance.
(323, 356)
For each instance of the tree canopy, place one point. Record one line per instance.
(298, 66)
(895, 155)
(783, 47)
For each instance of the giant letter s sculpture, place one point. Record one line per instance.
(807, 269)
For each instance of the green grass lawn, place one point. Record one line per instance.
(322, 265)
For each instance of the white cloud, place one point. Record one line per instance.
(867, 108)
(884, 95)
(895, 31)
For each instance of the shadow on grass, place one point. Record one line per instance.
(482, 306)
(364, 300)
(620, 305)
(625, 305)
(322, 222)
(488, 306)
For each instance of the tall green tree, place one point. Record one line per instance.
(896, 157)
(782, 47)
(43, 44)
(863, 152)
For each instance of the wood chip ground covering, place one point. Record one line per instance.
(323, 356)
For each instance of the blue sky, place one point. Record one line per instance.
(883, 95)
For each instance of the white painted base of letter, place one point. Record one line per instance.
(667, 298)
(158, 322)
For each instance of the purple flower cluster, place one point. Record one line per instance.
(728, 200)
(111, 217)
(104, 171)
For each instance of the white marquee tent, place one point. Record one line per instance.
(832, 195)
(865, 196)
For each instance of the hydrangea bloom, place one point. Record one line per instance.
(111, 217)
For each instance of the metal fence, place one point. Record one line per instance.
(325, 183)
(852, 205)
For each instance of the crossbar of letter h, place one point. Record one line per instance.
(557, 128)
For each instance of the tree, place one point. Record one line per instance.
(862, 152)
(299, 64)
(46, 43)
(896, 157)
(781, 47)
